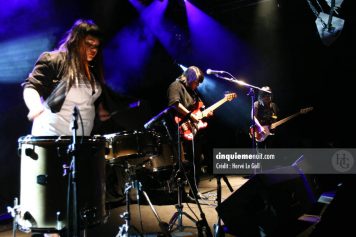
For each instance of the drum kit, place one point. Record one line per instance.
(45, 165)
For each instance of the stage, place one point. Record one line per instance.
(284, 192)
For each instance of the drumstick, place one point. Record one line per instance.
(131, 106)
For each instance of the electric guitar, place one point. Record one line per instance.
(261, 136)
(189, 128)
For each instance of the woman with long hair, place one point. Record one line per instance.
(67, 79)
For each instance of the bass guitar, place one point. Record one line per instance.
(188, 128)
(260, 136)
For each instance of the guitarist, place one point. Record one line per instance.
(183, 97)
(265, 113)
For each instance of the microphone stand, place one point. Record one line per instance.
(202, 225)
(178, 215)
(218, 229)
(251, 93)
(72, 198)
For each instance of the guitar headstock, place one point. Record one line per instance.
(306, 110)
(230, 96)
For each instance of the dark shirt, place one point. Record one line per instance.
(178, 92)
(266, 115)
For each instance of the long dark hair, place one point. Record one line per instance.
(76, 65)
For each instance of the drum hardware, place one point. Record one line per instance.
(157, 121)
(146, 149)
(127, 229)
(72, 195)
(15, 213)
(179, 178)
(180, 175)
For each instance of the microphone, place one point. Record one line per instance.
(210, 72)
(75, 117)
(132, 105)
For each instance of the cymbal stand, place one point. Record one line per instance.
(127, 229)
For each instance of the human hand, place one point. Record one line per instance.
(264, 130)
(103, 114)
(210, 114)
(195, 117)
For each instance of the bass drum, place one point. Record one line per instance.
(44, 181)
(159, 169)
(130, 145)
(163, 161)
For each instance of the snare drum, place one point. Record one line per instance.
(131, 144)
(44, 181)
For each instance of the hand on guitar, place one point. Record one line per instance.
(198, 116)
(195, 122)
(263, 129)
(262, 132)
(210, 114)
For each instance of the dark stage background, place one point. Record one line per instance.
(268, 42)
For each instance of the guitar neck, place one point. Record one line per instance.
(214, 106)
(280, 122)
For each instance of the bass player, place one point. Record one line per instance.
(264, 112)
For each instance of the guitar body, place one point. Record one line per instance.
(188, 128)
(259, 135)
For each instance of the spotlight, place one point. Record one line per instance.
(331, 31)
(329, 26)
(337, 3)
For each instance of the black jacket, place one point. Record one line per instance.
(47, 79)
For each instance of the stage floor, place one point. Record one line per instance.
(207, 186)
